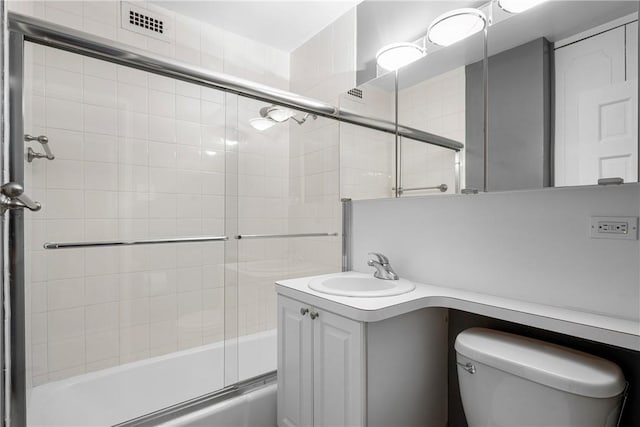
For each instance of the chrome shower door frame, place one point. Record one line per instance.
(13, 254)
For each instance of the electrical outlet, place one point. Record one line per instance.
(614, 227)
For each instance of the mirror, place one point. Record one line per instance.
(562, 96)
(430, 100)
(562, 105)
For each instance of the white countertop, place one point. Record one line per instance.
(596, 327)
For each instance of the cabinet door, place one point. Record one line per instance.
(338, 374)
(295, 366)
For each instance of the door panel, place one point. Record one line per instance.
(294, 365)
(604, 57)
(609, 133)
(338, 371)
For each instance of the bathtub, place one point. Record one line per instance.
(121, 393)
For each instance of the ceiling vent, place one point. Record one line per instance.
(146, 22)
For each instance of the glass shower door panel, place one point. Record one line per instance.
(287, 184)
(125, 330)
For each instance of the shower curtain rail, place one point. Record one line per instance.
(56, 36)
(108, 243)
(276, 236)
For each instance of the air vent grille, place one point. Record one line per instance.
(355, 92)
(148, 22)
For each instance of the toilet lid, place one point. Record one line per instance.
(544, 363)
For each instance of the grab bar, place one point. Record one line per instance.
(441, 187)
(73, 245)
(275, 236)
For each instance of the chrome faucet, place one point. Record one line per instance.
(382, 266)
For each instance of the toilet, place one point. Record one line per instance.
(510, 380)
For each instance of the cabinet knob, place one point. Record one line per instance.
(304, 311)
(314, 315)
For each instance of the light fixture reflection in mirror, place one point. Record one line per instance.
(517, 6)
(397, 55)
(456, 25)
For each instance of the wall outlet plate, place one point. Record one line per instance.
(614, 227)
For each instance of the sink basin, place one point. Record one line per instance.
(361, 285)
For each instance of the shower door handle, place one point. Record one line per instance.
(12, 197)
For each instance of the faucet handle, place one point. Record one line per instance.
(381, 258)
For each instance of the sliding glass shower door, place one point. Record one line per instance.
(288, 211)
(125, 262)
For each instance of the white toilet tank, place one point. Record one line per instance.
(509, 380)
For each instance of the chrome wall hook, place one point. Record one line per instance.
(44, 141)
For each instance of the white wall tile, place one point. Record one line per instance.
(132, 98)
(63, 84)
(102, 345)
(101, 204)
(65, 353)
(100, 91)
(66, 293)
(162, 129)
(100, 148)
(65, 174)
(100, 317)
(101, 176)
(162, 103)
(162, 155)
(62, 114)
(65, 323)
(100, 120)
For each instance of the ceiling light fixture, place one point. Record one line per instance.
(517, 6)
(397, 55)
(456, 25)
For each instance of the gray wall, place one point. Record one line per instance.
(519, 119)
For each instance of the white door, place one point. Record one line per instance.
(338, 380)
(608, 133)
(295, 364)
(593, 63)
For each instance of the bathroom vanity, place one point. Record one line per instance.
(383, 361)
(340, 371)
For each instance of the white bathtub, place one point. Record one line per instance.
(128, 391)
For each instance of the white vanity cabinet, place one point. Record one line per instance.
(335, 371)
(320, 367)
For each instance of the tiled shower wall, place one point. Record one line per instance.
(322, 71)
(137, 156)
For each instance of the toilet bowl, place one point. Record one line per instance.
(510, 380)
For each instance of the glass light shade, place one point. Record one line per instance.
(517, 6)
(396, 55)
(279, 114)
(456, 25)
(261, 123)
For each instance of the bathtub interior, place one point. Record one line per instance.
(118, 394)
